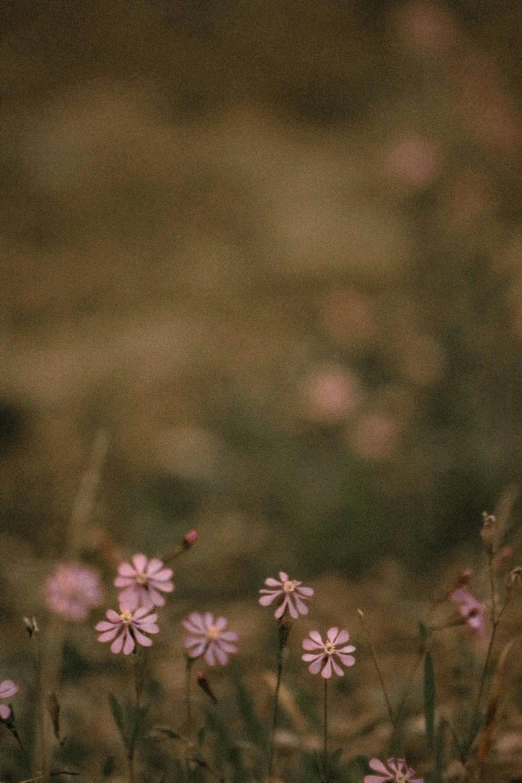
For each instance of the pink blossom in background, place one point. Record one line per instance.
(8, 688)
(392, 772)
(127, 628)
(414, 161)
(427, 28)
(322, 659)
(330, 394)
(290, 591)
(142, 582)
(208, 638)
(72, 590)
(375, 436)
(471, 610)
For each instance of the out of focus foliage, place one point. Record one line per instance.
(274, 249)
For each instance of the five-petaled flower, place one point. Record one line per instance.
(127, 628)
(72, 590)
(292, 593)
(143, 582)
(8, 688)
(324, 655)
(208, 638)
(470, 609)
(392, 772)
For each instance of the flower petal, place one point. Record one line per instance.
(8, 688)
(142, 639)
(209, 655)
(109, 635)
(140, 562)
(266, 600)
(117, 645)
(301, 606)
(272, 582)
(154, 566)
(308, 644)
(315, 667)
(126, 570)
(332, 634)
(4, 711)
(129, 643)
(342, 638)
(378, 766)
(327, 670)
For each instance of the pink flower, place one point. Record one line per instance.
(323, 659)
(209, 638)
(394, 773)
(143, 582)
(8, 688)
(72, 590)
(293, 596)
(471, 610)
(131, 627)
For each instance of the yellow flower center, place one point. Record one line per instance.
(126, 617)
(213, 633)
(329, 648)
(289, 586)
(142, 579)
(400, 777)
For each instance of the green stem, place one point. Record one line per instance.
(284, 631)
(188, 693)
(326, 771)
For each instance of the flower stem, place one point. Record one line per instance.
(188, 693)
(326, 770)
(41, 740)
(285, 625)
(379, 671)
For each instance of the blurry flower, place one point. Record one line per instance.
(323, 659)
(8, 688)
(375, 436)
(348, 316)
(414, 161)
(391, 772)
(72, 590)
(471, 610)
(208, 638)
(293, 595)
(330, 395)
(143, 582)
(131, 627)
(427, 28)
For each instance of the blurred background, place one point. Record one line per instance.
(273, 249)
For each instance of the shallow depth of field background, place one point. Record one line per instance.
(274, 250)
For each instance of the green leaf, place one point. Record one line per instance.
(136, 719)
(254, 728)
(119, 717)
(334, 758)
(429, 699)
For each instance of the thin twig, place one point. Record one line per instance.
(391, 713)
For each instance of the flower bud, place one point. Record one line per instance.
(31, 626)
(205, 687)
(462, 579)
(488, 531)
(189, 539)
